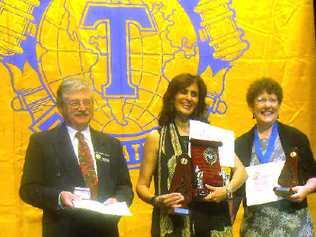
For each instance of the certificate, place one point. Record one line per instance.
(117, 209)
(204, 131)
(261, 181)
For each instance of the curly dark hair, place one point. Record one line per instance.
(261, 85)
(179, 82)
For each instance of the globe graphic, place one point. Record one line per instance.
(66, 48)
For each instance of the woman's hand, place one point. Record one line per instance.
(170, 200)
(216, 194)
(301, 192)
(299, 195)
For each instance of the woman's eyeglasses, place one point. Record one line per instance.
(264, 100)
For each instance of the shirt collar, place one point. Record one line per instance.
(72, 132)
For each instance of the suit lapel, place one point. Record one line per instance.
(66, 154)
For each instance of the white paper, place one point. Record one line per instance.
(82, 192)
(261, 181)
(204, 131)
(117, 209)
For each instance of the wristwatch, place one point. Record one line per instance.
(229, 193)
(152, 200)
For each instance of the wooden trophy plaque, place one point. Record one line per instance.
(289, 176)
(183, 179)
(206, 165)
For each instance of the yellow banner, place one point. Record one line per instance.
(130, 50)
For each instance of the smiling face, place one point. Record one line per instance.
(186, 100)
(77, 108)
(266, 109)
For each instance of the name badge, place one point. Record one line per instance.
(104, 157)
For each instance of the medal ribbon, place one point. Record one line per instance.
(264, 158)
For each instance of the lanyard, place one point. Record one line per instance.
(264, 158)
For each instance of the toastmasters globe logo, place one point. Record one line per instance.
(129, 50)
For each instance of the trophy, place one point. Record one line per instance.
(207, 169)
(182, 180)
(289, 176)
(201, 191)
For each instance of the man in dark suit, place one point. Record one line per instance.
(53, 168)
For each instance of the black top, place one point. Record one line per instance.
(205, 216)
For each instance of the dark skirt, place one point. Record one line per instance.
(205, 217)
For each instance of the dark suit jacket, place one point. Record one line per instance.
(51, 166)
(290, 137)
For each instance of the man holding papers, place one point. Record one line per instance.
(280, 166)
(74, 161)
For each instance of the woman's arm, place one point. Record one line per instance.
(147, 170)
(239, 175)
(148, 167)
(301, 192)
(218, 194)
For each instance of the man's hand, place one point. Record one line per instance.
(67, 198)
(110, 200)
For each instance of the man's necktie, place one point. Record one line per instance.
(87, 165)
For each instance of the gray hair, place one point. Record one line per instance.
(73, 84)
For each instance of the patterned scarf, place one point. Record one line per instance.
(166, 220)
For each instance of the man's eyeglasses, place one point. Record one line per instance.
(75, 104)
